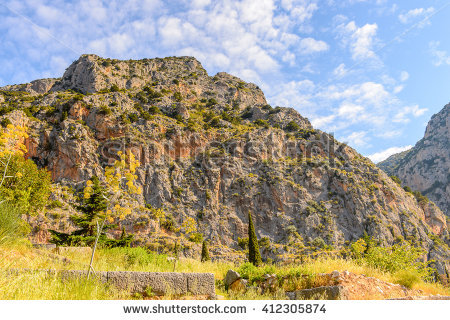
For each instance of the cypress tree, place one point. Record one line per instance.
(205, 251)
(254, 255)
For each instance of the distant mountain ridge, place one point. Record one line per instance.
(426, 167)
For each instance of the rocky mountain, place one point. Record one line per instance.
(426, 167)
(211, 149)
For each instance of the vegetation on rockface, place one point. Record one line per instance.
(254, 256)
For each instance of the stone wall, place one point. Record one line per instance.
(158, 283)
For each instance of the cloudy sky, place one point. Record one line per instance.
(372, 72)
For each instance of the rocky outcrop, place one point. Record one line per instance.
(426, 167)
(40, 86)
(211, 149)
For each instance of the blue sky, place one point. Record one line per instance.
(372, 72)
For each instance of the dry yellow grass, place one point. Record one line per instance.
(38, 286)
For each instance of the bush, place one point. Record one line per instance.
(394, 259)
(154, 110)
(105, 110)
(152, 94)
(254, 273)
(177, 95)
(168, 223)
(421, 199)
(243, 243)
(292, 126)
(133, 117)
(114, 88)
(5, 122)
(407, 278)
(215, 122)
(196, 237)
(211, 102)
(261, 123)
(396, 180)
(407, 189)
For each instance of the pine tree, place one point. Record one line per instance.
(205, 251)
(254, 255)
(93, 209)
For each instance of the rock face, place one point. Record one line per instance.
(426, 167)
(211, 149)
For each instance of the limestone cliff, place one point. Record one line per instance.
(210, 148)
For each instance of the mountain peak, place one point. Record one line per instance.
(91, 73)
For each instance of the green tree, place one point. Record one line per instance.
(205, 251)
(254, 256)
(25, 186)
(93, 211)
(22, 184)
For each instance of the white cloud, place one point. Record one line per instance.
(350, 111)
(404, 75)
(319, 122)
(289, 57)
(389, 134)
(367, 93)
(310, 45)
(440, 56)
(340, 71)
(357, 139)
(415, 14)
(383, 155)
(360, 40)
(199, 4)
(415, 111)
(398, 89)
(309, 68)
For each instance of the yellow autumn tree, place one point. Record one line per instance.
(23, 187)
(11, 144)
(119, 184)
(22, 184)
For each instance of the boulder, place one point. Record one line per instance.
(239, 285)
(231, 277)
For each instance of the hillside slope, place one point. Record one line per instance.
(211, 149)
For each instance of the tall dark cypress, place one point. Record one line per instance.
(254, 256)
(205, 251)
